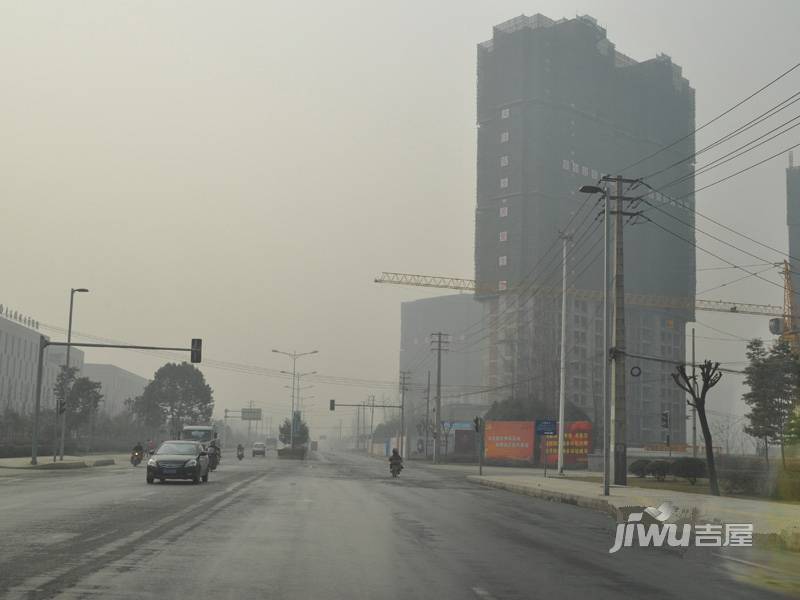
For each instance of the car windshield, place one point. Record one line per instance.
(258, 445)
(176, 448)
(198, 435)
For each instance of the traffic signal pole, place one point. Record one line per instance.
(196, 356)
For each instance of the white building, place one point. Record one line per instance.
(19, 351)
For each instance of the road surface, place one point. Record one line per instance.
(335, 527)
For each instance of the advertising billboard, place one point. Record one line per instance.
(509, 440)
(577, 445)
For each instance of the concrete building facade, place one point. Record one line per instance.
(118, 385)
(558, 107)
(19, 353)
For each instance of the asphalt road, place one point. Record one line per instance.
(336, 527)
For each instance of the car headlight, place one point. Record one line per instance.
(191, 463)
(152, 463)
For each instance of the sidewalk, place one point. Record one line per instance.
(69, 462)
(767, 517)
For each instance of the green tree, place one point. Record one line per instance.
(529, 409)
(793, 428)
(64, 380)
(79, 395)
(178, 394)
(300, 432)
(758, 397)
(773, 377)
(84, 400)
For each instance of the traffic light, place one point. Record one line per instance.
(665, 420)
(197, 350)
(333, 404)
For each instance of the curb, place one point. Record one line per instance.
(597, 504)
(788, 540)
(104, 462)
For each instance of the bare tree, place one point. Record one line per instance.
(709, 376)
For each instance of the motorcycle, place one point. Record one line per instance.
(240, 453)
(213, 459)
(136, 458)
(395, 468)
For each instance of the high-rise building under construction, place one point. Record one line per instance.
(558, 107)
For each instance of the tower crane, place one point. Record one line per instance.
(782, 315)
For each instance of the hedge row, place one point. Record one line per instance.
(737, 475)
(687, 468)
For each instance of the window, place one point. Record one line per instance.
(502, 261)
(504, 137)
(565, 164)
(585, 171)
(594, 173)
(503, 211)
(576, 167)
(504, 113)
(502, 285)
(504, 161)
(503, 236)
(504, 182)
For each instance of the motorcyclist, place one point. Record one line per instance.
(213, 448)
(395, 459)
(240, 449)
(151, 447)
(138, 448)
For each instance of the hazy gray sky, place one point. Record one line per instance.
(240, 171)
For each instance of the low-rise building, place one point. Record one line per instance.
(118, 385)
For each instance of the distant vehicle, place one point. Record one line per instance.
(179, 459)
(314, 445)
(198, 433)
(272, 443)
(259, 449)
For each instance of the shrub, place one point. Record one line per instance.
(745, 482)
(639, 467)
(788, 485)
(658, 469)
(688, 468)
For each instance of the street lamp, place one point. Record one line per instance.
(294, 356)
(593, 189)
(72, 293)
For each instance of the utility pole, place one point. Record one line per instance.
(618, 404)
(694, 409)
(606, 411)
(358, 427)
(440, 342)
(371, 420)
(249, 424)
(427, 413)
(404, 376)
(562, 392)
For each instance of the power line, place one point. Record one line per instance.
(717, 118)
(741, 129)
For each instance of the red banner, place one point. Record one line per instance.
(509, 440)
(577, 445)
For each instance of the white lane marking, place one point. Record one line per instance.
(482, 593)
(38, 581)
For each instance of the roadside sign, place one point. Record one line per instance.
(251, 414)
(546, 427)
